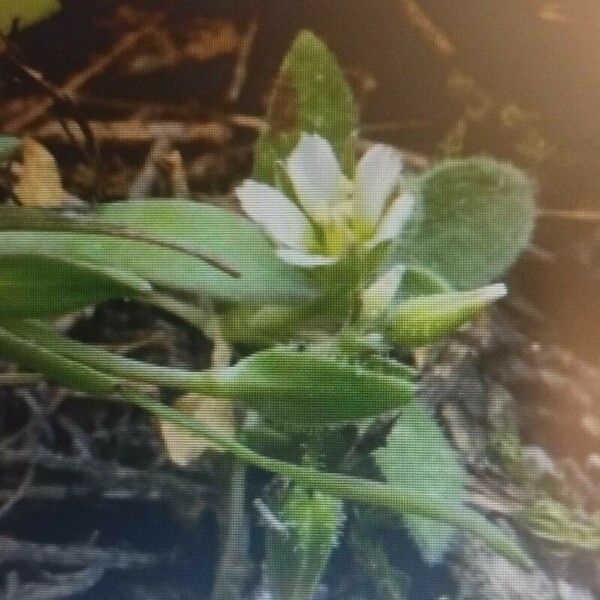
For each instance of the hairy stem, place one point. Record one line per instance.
(84, 378)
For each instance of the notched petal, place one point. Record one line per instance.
(377, 176)
(304, 259)
(315, 174)
(278, 215)
(394, 220)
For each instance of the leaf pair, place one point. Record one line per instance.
(127, 248)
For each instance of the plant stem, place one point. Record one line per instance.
(79, 376)
(344, 486)
(233, 566)
(232, 569)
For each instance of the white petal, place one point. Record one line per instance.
(315, 174)
(394, 220)
(304, 259)
(377, 175)
(489, 293)
(377, 297)
(276, 213)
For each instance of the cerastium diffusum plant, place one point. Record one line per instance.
(343, 262)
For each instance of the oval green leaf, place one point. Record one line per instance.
(473, 219)
(310, 95)
(292, 387)
(308, 387)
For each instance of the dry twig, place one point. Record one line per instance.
(240, 71)
(132, 132)
(433, 35)
(15, 124)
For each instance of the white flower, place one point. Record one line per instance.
(330, 213)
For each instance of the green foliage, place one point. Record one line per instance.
(295, 559)
(98, 376)
(71, 373)
(423, 320)
(309, 388)
(294, 388)
(24, 13)
(418, 456)
(220, 233)
(34, 285)
(9, 146)
(474, 218)
(215, 231)
(311, 95)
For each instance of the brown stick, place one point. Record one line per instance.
(132, 132)
(435, 38)
(240, 71)
(571, 215)
(78, 80)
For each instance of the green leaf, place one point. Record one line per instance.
(31, 355)
(218, 233)
(418, 457)
(296, 558)
(310, 388)
(473, 219)
(423, 320)
(292, 387)
(24, 13)
(311, 95)
(34, 285)
(234, 240)
(9, 146)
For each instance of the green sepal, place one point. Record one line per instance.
(423, 320)
(419, 281)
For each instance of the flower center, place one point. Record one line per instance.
(332, 239)
(363, 229)
(340, 228)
